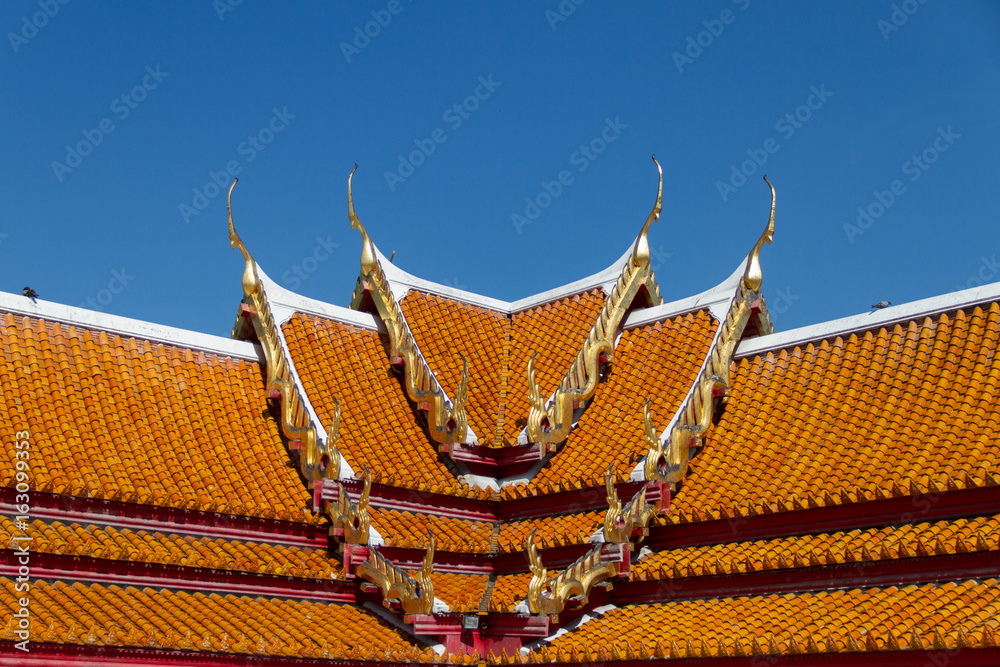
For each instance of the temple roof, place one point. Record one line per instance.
(586, 475)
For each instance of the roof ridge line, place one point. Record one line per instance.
(906, 312)
(130, 327)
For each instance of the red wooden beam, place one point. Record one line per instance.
(54, 507)
(158, 575)
(82, 655)
(947, 505)
(896, 572)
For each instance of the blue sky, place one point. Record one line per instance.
(890, 107)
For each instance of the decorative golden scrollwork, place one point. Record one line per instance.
(352, 518)
(446, 419)
(296, 423)
(550, 422)
(549, 596)
(619, 524)
(416, 596)
(753, 276)
(667, 462)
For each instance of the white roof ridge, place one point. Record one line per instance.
(284, 303)
(716, 300)
(132, 328)
(401, 282)
(885, 317)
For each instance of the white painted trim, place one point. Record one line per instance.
(716, 300)
(605, 279)
(285, 303)
(872, 320)
(596, 612)
(126, 326)
(393, 620)
(346, 471)
(402, 282)
(719, 309)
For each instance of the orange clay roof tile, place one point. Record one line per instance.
(377, 426)
(444, 329)
(115, 616)
(920, 431)
(107, 421)
(556, 331)
(409, 530)
(662, 360)
(108, 542)
(827, 620)
(940, 538)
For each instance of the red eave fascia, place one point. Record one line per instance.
(57, 655)
(928, 507)
(496, 461)
(83, 655)
(54, 507)
(490, 625)
(896, 572)
(571, 501)
(51, 567)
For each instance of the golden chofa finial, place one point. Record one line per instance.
(367, 247)
(753, 277)
(250, 280)
(640, 252)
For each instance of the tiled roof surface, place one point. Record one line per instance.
(409, 529)
(461, 592)
(916, 404)
(126, 419)
(444, 329)
(906, 541)
(658, 360)
(807, 619)
(510, 589)
(141, 546)
(556, 331)
(551, 531)
(378, 427)
(115, 616)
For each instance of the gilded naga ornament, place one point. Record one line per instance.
(446, 419)
(551, 421)
(296, 423)
(666, 461)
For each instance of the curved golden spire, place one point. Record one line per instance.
(753, 277)
(640, 252)
(250, 280)
(367, 247)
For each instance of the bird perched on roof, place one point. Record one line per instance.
(30, 293)
(882, 304)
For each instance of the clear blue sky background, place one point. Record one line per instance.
(450, 221)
